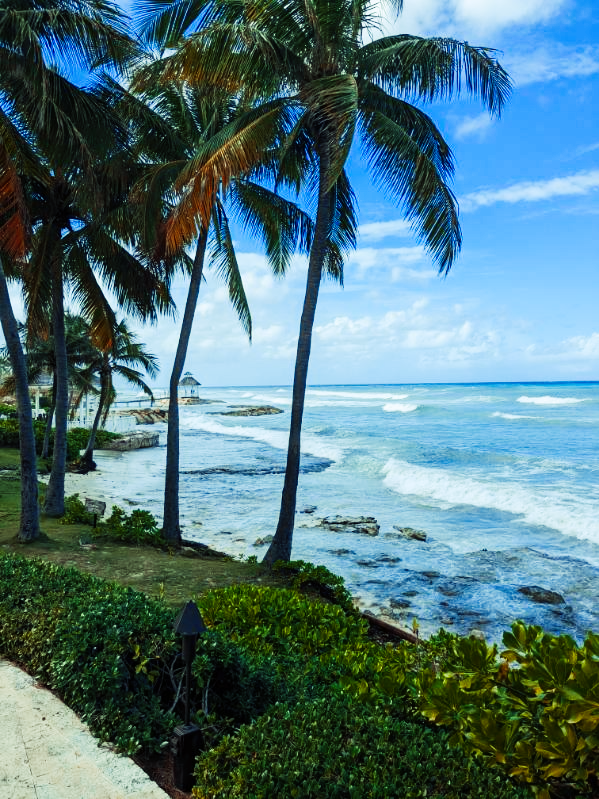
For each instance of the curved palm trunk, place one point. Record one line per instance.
(171, 529)
(280, 548)
(87, 459)
(54, 504)
(49, 420)
(29, 526)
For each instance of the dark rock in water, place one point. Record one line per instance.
(342, 552)
(542, 595)
(431, 575)
(226, 532)
(399, 604)
(455, 585)
(410, 532)
(364, 525)
(308, 509)
(247, 410)
(308, 465)
(377, 582)
(260, 542)
(388, 559)
(371, 564)
(410, 593)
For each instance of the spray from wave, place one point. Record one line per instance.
(571, 515)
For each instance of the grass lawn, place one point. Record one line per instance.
(153, 571)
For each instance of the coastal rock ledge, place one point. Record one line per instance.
(542, 595)
(363, 525)
(131, 441)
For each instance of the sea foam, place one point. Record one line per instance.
(549, 400)
(401, 407)
(314, 445)
(571, 515)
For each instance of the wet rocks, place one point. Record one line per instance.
(146, 415)
(410, 533)
(542, 595)
(342, 552)
(308, 509)
(246, 410)
(388, 559)
(399, 604)
(370, 564)
(260, 542)
(131, 441)
(363, 525)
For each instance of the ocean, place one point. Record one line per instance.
(502, 478)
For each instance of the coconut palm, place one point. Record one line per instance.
(39, 106)
(120, 359)
(319, 62)
(186, 126)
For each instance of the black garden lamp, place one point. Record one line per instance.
(187, 738)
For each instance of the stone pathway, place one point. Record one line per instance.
(46, 752)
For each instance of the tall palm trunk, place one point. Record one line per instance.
(29, 525)
(49, 419)
(87, 459)
(54, 504)
(280, 548)
(171, 529)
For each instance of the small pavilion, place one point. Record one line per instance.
(188, 390)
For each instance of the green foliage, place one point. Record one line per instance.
(137, 527)
(76, 437)
(534, 712)
(104, 648)
(307, 575)
(74, 511)
(335, 748)
(8, 410)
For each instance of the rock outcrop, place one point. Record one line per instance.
(364, 525)
(542, 595)
(131, 441)
(246, 410)
(146, 415)
(410, 532)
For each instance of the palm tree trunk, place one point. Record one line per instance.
(29, 525)
(49, 420)
(87, 459)
(171, 529)
(54, 504)
(280, 548)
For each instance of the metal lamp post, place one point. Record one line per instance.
(187, 738)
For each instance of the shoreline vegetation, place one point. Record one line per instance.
(286, 653)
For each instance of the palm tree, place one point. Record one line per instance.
(194, 123)
(125, 353)
(40, 107)
(319, 62)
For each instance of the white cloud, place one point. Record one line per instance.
(552, 63)
(581, 183)
(464, 18)
(375, 231)
(367, 258)
(584, 346)
(473, 126)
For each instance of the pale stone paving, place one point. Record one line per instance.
(47, 752)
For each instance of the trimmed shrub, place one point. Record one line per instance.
(336, 748)
(138, 527)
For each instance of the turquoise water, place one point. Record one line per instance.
(503, 478)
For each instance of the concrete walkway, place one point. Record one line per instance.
(46, 752)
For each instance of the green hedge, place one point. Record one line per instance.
(111, 654)
(76, 437)
(337, 748)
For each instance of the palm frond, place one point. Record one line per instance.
(224, 261)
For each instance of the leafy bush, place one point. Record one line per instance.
(76, 437)
(533, 713)
(8, 410)
(138, 527)
(335, 748)
(306, 575)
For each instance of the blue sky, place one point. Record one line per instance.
(520, 303)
